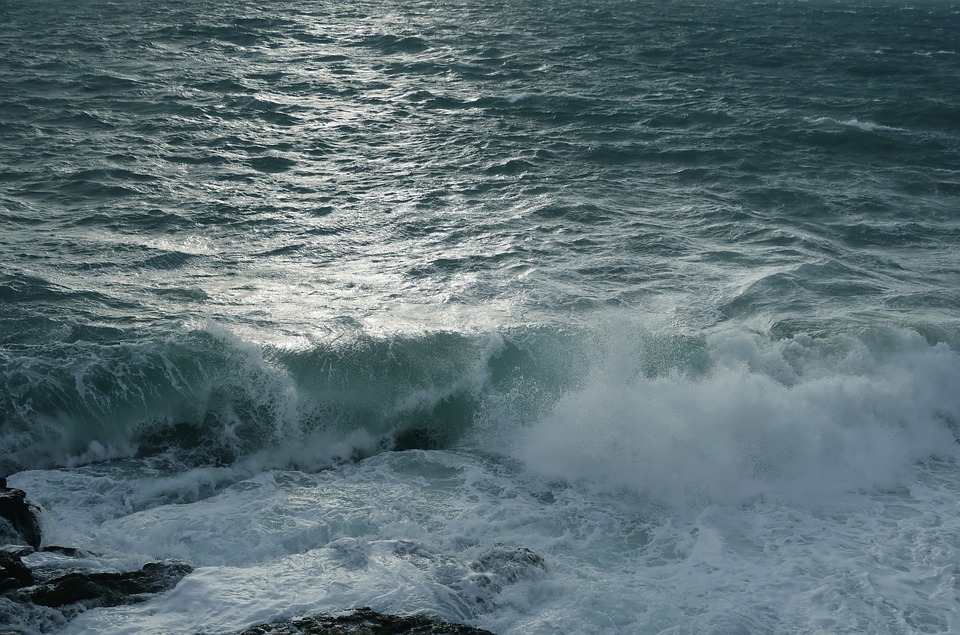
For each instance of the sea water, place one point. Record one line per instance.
(345, 303)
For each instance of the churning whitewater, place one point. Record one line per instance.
(588, 316)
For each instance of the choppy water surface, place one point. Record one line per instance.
(329, 300)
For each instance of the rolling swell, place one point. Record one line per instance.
(617, 406)
(214, 398)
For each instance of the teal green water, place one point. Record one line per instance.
(703, 252)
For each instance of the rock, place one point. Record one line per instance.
(18, 516)
(22, 592)
(365, 621)
(107, 589)
(13, 573)
(71, 552)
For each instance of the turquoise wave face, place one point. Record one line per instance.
(736, 414)
(213, 397)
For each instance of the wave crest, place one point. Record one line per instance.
(796, 418)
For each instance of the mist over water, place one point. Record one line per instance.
(334, 301)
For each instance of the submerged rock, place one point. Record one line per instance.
(18, 516)
(494, 570)
(365, 621)
(509, 564)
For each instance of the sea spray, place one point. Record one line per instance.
(796, 419)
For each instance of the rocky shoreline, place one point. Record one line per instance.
(365, 621)
(80, 590)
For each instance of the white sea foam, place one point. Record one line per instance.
(402, 532)
(726, 483)
(795, 419)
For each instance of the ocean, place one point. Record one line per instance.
(330, 299)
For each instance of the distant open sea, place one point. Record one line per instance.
(328, 299)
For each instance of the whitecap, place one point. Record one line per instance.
(865, 126)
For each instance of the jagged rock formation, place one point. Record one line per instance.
(87, 589)
(108, 589)
(19, 523)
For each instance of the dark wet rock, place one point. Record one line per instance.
(57, 589)
(107, 589)
(365, 622)
(72, 552)
(18, 517)
(13, 573)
